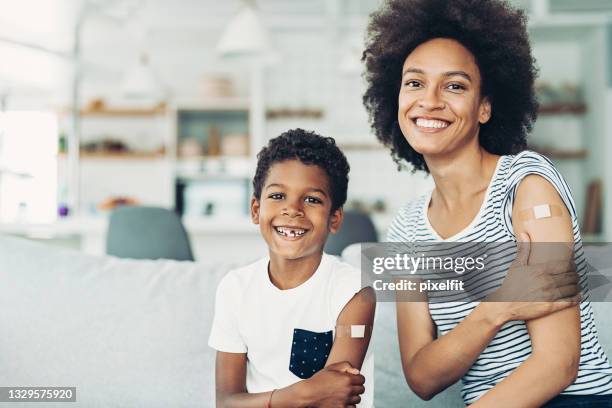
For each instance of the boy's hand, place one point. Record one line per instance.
(338, 385)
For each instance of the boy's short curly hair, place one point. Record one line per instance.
(493, 31)
(311, 149)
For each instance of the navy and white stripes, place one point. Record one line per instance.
(511, 346)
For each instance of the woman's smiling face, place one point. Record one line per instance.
(440, 105)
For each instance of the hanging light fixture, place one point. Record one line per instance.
(351, 62)
(141, 81)
(245, 34)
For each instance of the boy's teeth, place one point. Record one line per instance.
(431, 123)
(290, 232)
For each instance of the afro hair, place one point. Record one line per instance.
(493, 31)
(310, 149)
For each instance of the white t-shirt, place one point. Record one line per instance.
(286, 334)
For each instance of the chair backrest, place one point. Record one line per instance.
(357, 227)
(147, 233)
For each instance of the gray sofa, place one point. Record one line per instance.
(131, 333)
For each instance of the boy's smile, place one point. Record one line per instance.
(294, 210)
(290, 232)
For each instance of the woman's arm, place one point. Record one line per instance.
(431, 365)
(555, 338)
(334, 384)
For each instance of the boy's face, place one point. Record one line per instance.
(294, 212)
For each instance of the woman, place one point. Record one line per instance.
(451, 91)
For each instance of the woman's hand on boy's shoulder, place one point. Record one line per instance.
(337, 385)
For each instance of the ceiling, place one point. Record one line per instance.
(175, 32)
(114, 32)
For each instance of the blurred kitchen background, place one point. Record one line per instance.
(158, 103)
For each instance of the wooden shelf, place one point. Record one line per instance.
(199, 158)
(361, 146)
(562, 109)
(294, 113)
(100, 109)
(157, 111)
(561, 154)
(118, 156)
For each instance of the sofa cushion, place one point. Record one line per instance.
(124, 332)
(134, 333)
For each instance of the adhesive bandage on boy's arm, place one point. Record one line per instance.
(539, 212)
(354, 331)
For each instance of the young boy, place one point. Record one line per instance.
(293, 329)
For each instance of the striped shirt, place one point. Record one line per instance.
(493, 223)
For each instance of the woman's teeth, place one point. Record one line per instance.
(290, 232)
(431, 123)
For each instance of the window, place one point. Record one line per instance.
(28, 166)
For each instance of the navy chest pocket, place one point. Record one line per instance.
(309, 352)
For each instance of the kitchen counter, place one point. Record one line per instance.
(214, 238)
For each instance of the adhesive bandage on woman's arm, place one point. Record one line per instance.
(540, 211)
(354, 331)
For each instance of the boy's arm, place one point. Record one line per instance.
(333, 385)
(231, 364)
(231, 389)
(555, 338)
(359, 311)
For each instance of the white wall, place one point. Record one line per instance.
(181, 37)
